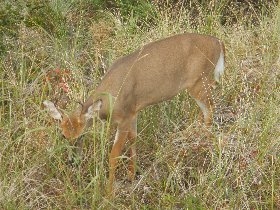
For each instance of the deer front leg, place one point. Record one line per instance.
(132, 137)
(119, 143)
(132, 160)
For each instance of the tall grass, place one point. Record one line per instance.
(239, 167)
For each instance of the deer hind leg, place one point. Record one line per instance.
(201, 92)
(206, 111)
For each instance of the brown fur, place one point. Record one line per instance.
(154, 73)
(72, 126)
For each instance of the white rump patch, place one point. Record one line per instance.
(219, 69)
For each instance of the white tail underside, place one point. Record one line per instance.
(219, 69)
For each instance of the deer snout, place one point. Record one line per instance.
(72, 127)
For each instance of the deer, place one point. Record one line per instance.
(155, 72)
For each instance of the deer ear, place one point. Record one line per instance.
(52, 110)
(96, 106)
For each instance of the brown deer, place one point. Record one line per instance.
(156, 72)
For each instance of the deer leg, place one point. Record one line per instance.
(206, 111)
(132, 162)
(202, 95)
(205, 105)
(201, 92)
(119, 143)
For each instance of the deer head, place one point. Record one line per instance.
(73, 124)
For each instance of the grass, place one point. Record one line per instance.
(240, 167)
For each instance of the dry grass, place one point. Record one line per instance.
(237, 169)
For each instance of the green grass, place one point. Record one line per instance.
(240, 167)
